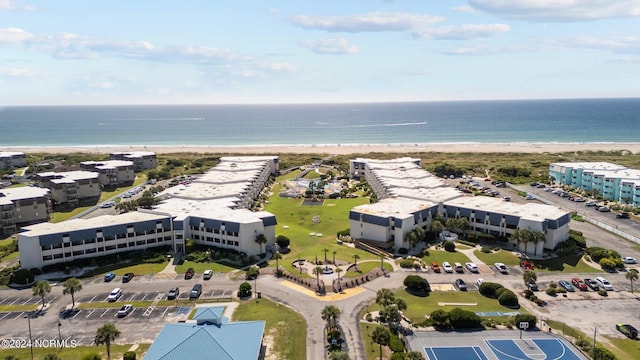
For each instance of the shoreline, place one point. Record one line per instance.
(340, 149)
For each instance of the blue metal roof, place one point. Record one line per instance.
(226, 341)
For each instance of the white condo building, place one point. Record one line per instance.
(113, 173)
(212, 210)
(72, 187)
(411, 197)
(142, 160)
(11, 159)
(23, 205)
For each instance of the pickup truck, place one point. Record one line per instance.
(189, 274)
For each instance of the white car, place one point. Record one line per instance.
(604, 283)
(207, 274)
(447, 267)
(125, 310)
(471, 267)
(629, 260)
(502, 268)
(479, 282)
(114, 295)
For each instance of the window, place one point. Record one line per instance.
(140, 242)
(47, 258)
(57, 256)
(90, 251)
(132, 243)
(110, 247)
(78, 253)
(122, 246)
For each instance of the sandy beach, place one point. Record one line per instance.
(345, 149)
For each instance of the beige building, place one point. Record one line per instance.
(10, 160)
(142, 160)
(71, 188)
(113, 173)
(23, 205)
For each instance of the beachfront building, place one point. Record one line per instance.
(71, 188)
(51, 243)
(611, 181)
(23, 206)
(113, 173)
(11, 160)
(142, 160)
(212, 212)
(209, 335)
(411, 197)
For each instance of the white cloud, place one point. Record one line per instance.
(463, 9)
(559, 10)
(14, 36)
(463, 32)
(330, 46)
(17, 73)
(624, 45)
(370, 22)
(13, 5)
(627, 60)
(283, 67)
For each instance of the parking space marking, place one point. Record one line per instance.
(76, 314)
(5, 315)
(163, 314)
(144, 297)
(26, 301)
(19, 315)
(93, 298)
(14, 301)
(132, 297)
(90, 313)
(104, 313)
(3, 300)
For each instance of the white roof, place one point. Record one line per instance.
(69, 176)
(530, 211)
(26, 192)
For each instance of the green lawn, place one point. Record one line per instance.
(569, 264)
(6, 241)
(623, 348)
(364, 268)
(371, 349)
(285, 331)
(201, 267)
(502, 256)
(117, 351)
(441, 256)
(141, 269)
(20, 307)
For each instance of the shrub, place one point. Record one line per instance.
(464, 319)
(22, 276)
(253, 272)
(439, 318)
(283, 241)
(607, 264)
(244, 290)
(603, 292)
(486, 249)
(449, 246)
(598, 253)
(92, 356)
(416, 283)
(551, 291)
(508, 299)
(129, 355)
(403, 251)
(395, 344)
(369, 317)
(561, 290)
(406, 263)
(36, 271)
(489, 289)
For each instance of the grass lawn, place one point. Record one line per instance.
(441, 256)
(6, 241)
(370, 348)
(364, 268)
(141, 269)
(333, 215)
(420, 306)
(201, 267)
(285, 331)
(623, 348)
(117, 351)
(502, 256)
(141, 305)
(20, 307)
(570, 264)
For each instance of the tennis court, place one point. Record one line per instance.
(507, 349)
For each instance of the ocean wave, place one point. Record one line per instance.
(374, 125)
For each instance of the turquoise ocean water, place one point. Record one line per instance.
(537, 121)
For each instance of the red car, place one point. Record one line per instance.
(578, 283)
(527, 265)
(435, 267)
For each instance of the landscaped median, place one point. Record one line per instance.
(145, 304)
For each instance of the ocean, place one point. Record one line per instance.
(508, 121)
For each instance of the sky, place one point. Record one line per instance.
(79, 52)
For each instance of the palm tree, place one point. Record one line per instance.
(382, 262)
(381, 336)
(334, 257)
(325, 250)
(411, 238)
(317, 271)
(385, 297)
(437, 228)
(106, 334)
(632, 275)
(42, 289)
(330, 313)
(71, 286)
(261, 239)
(355, 260)
(536, 237)
(517, 237)
(277, 256)
(338, 271)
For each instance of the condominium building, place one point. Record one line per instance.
(611, 181)
(142, 160)
(23, 205)
(10, 160)
(71, 188)
(113, 173)
(411, 197)
(212, 211)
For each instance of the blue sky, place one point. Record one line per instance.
(302, 51)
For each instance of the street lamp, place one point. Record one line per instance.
(30, 339)
(60, 335)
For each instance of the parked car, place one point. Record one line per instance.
(109, 276)
(604, 283)
(590, 204)
(195, 291)
(622, 215)
(173, 293)
(479, 282)
(189, 273)
(462, 286)
(566, 285)
(108, 204)
(628, 330)
(531, 285)
(579, 199)
(435, 267)
(541, 186)
(527, 265)
(604, 209)
(207, 274)
(507, 198)
(458, 267)
(579, 284)
(471, 267)
(114, 295)
(127, 277)
(125, 310)
(502, 268)
(447, 267)
(594, 285)
(629, 260)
